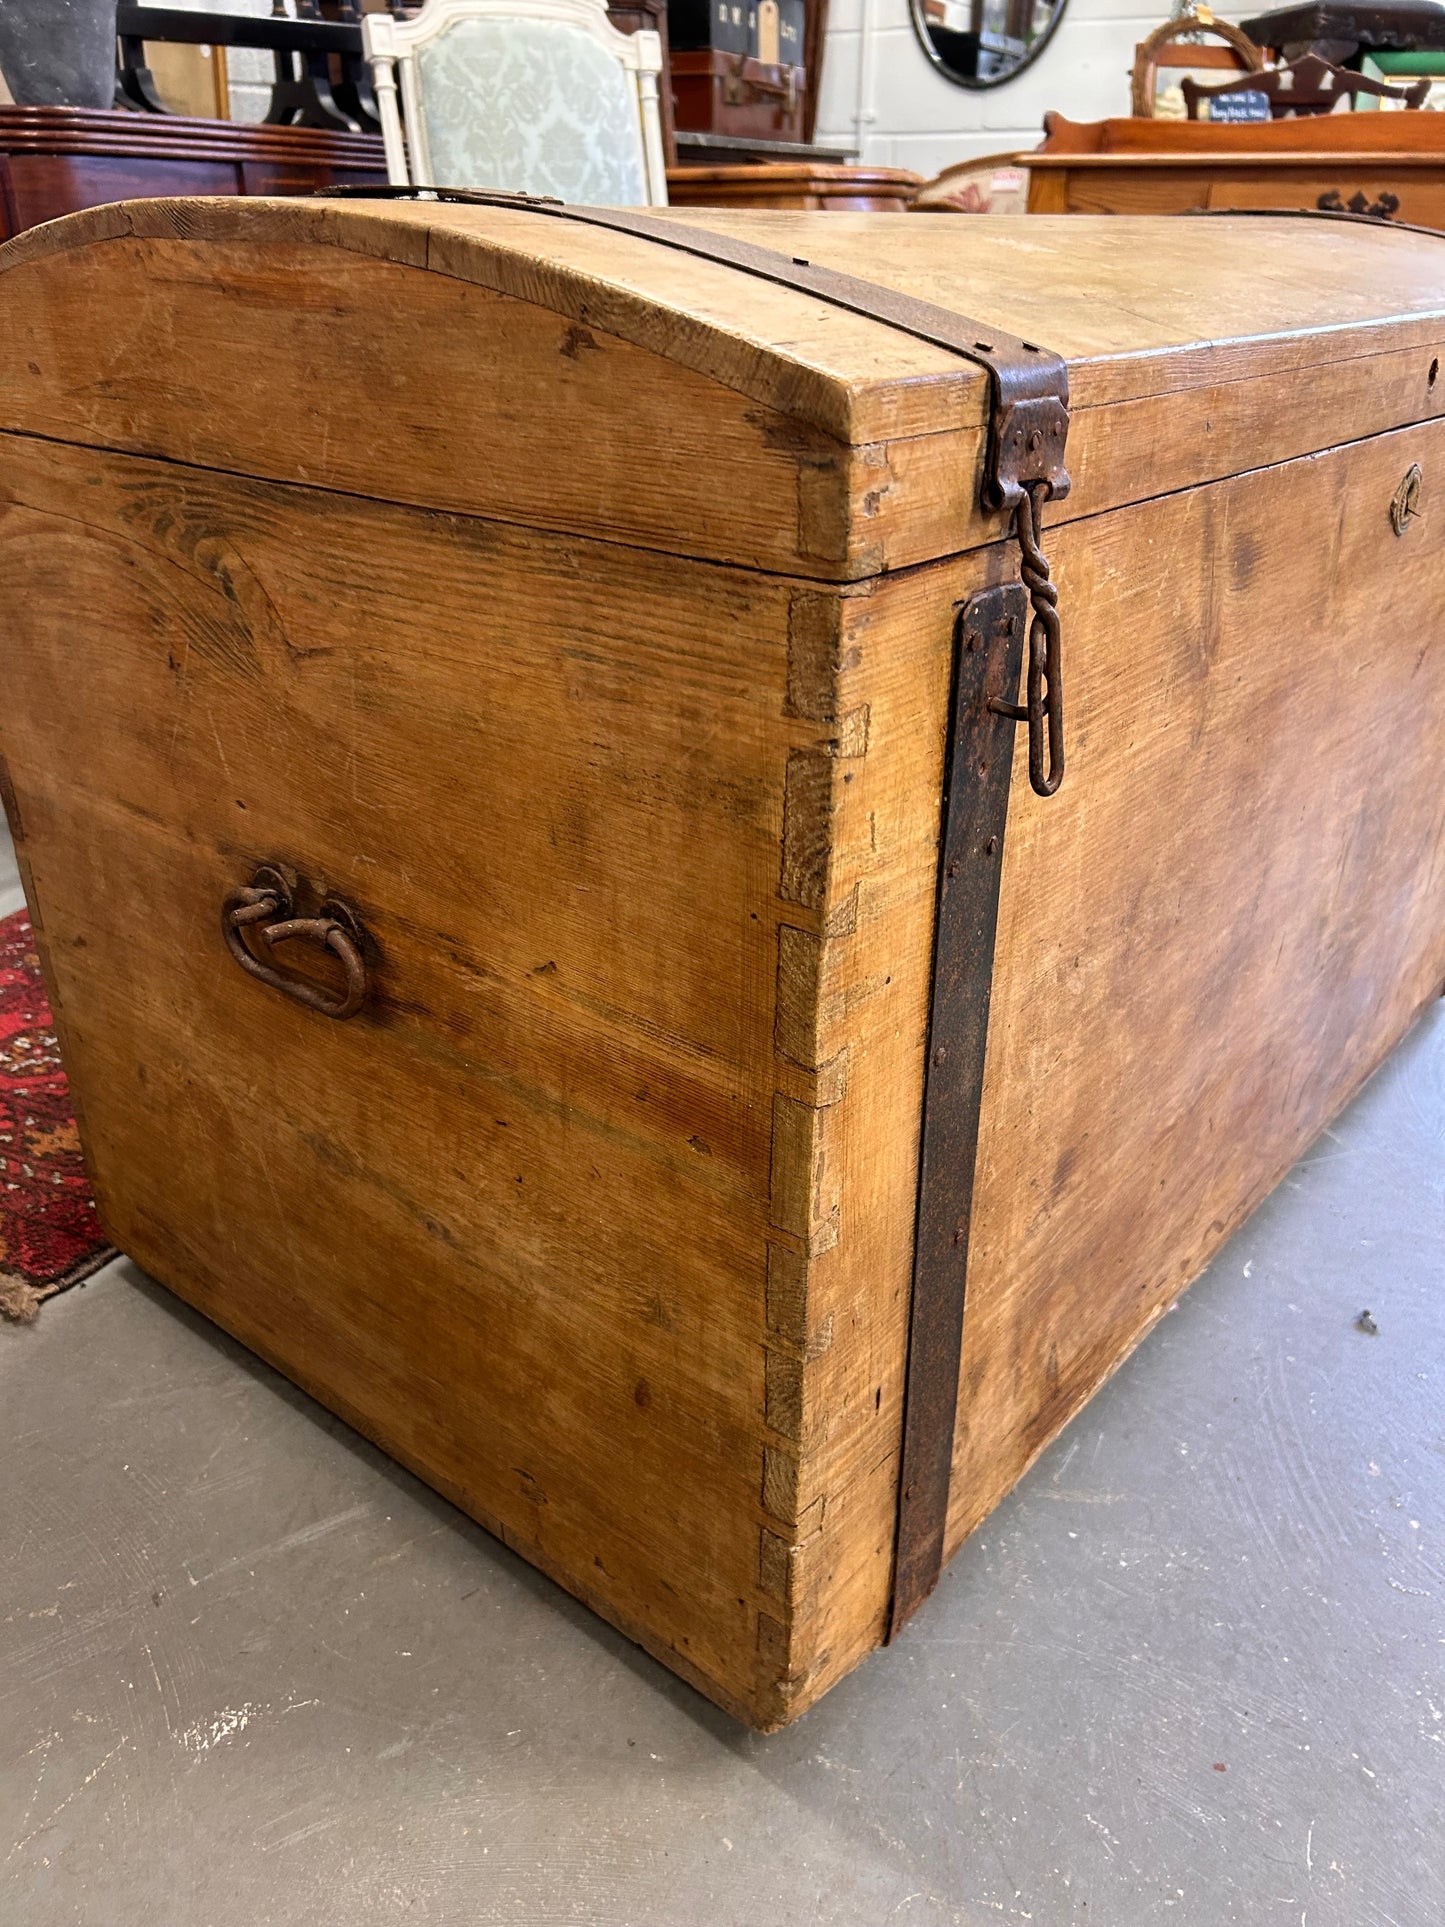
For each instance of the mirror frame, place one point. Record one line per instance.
(940, 66)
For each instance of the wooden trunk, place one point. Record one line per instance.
(590, 618)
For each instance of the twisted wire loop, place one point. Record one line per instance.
(1045, 710)
(251, 906)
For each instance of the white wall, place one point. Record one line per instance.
(922, 121)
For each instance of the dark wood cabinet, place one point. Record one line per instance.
(55, 160)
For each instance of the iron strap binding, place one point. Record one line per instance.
(1028, 419)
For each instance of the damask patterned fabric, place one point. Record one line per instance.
(535, 107)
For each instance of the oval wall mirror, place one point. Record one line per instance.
(983, 43)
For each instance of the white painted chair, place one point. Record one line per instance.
(532, 96)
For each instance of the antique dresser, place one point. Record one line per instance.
(1386, 164)
(688, 884)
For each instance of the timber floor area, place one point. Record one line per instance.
(1192, 1672)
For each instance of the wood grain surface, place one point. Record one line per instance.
(568, 1056)
(632, 1039)
(1239, 909)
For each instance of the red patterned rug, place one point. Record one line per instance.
(50, 1236)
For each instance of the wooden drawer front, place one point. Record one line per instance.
(1144, 184)
(1416, 197)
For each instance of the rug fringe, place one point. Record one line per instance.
(20, 1301)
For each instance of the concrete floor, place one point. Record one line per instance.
(1193, 1671)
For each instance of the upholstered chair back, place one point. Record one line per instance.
(531, 96)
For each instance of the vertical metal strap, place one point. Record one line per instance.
(988, 659)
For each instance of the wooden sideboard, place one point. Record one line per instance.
(793, 184)
(55, 160)
(1386, 163)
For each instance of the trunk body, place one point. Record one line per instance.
(586, 618)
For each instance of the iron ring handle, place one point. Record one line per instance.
(243, 906)
(324, 930)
